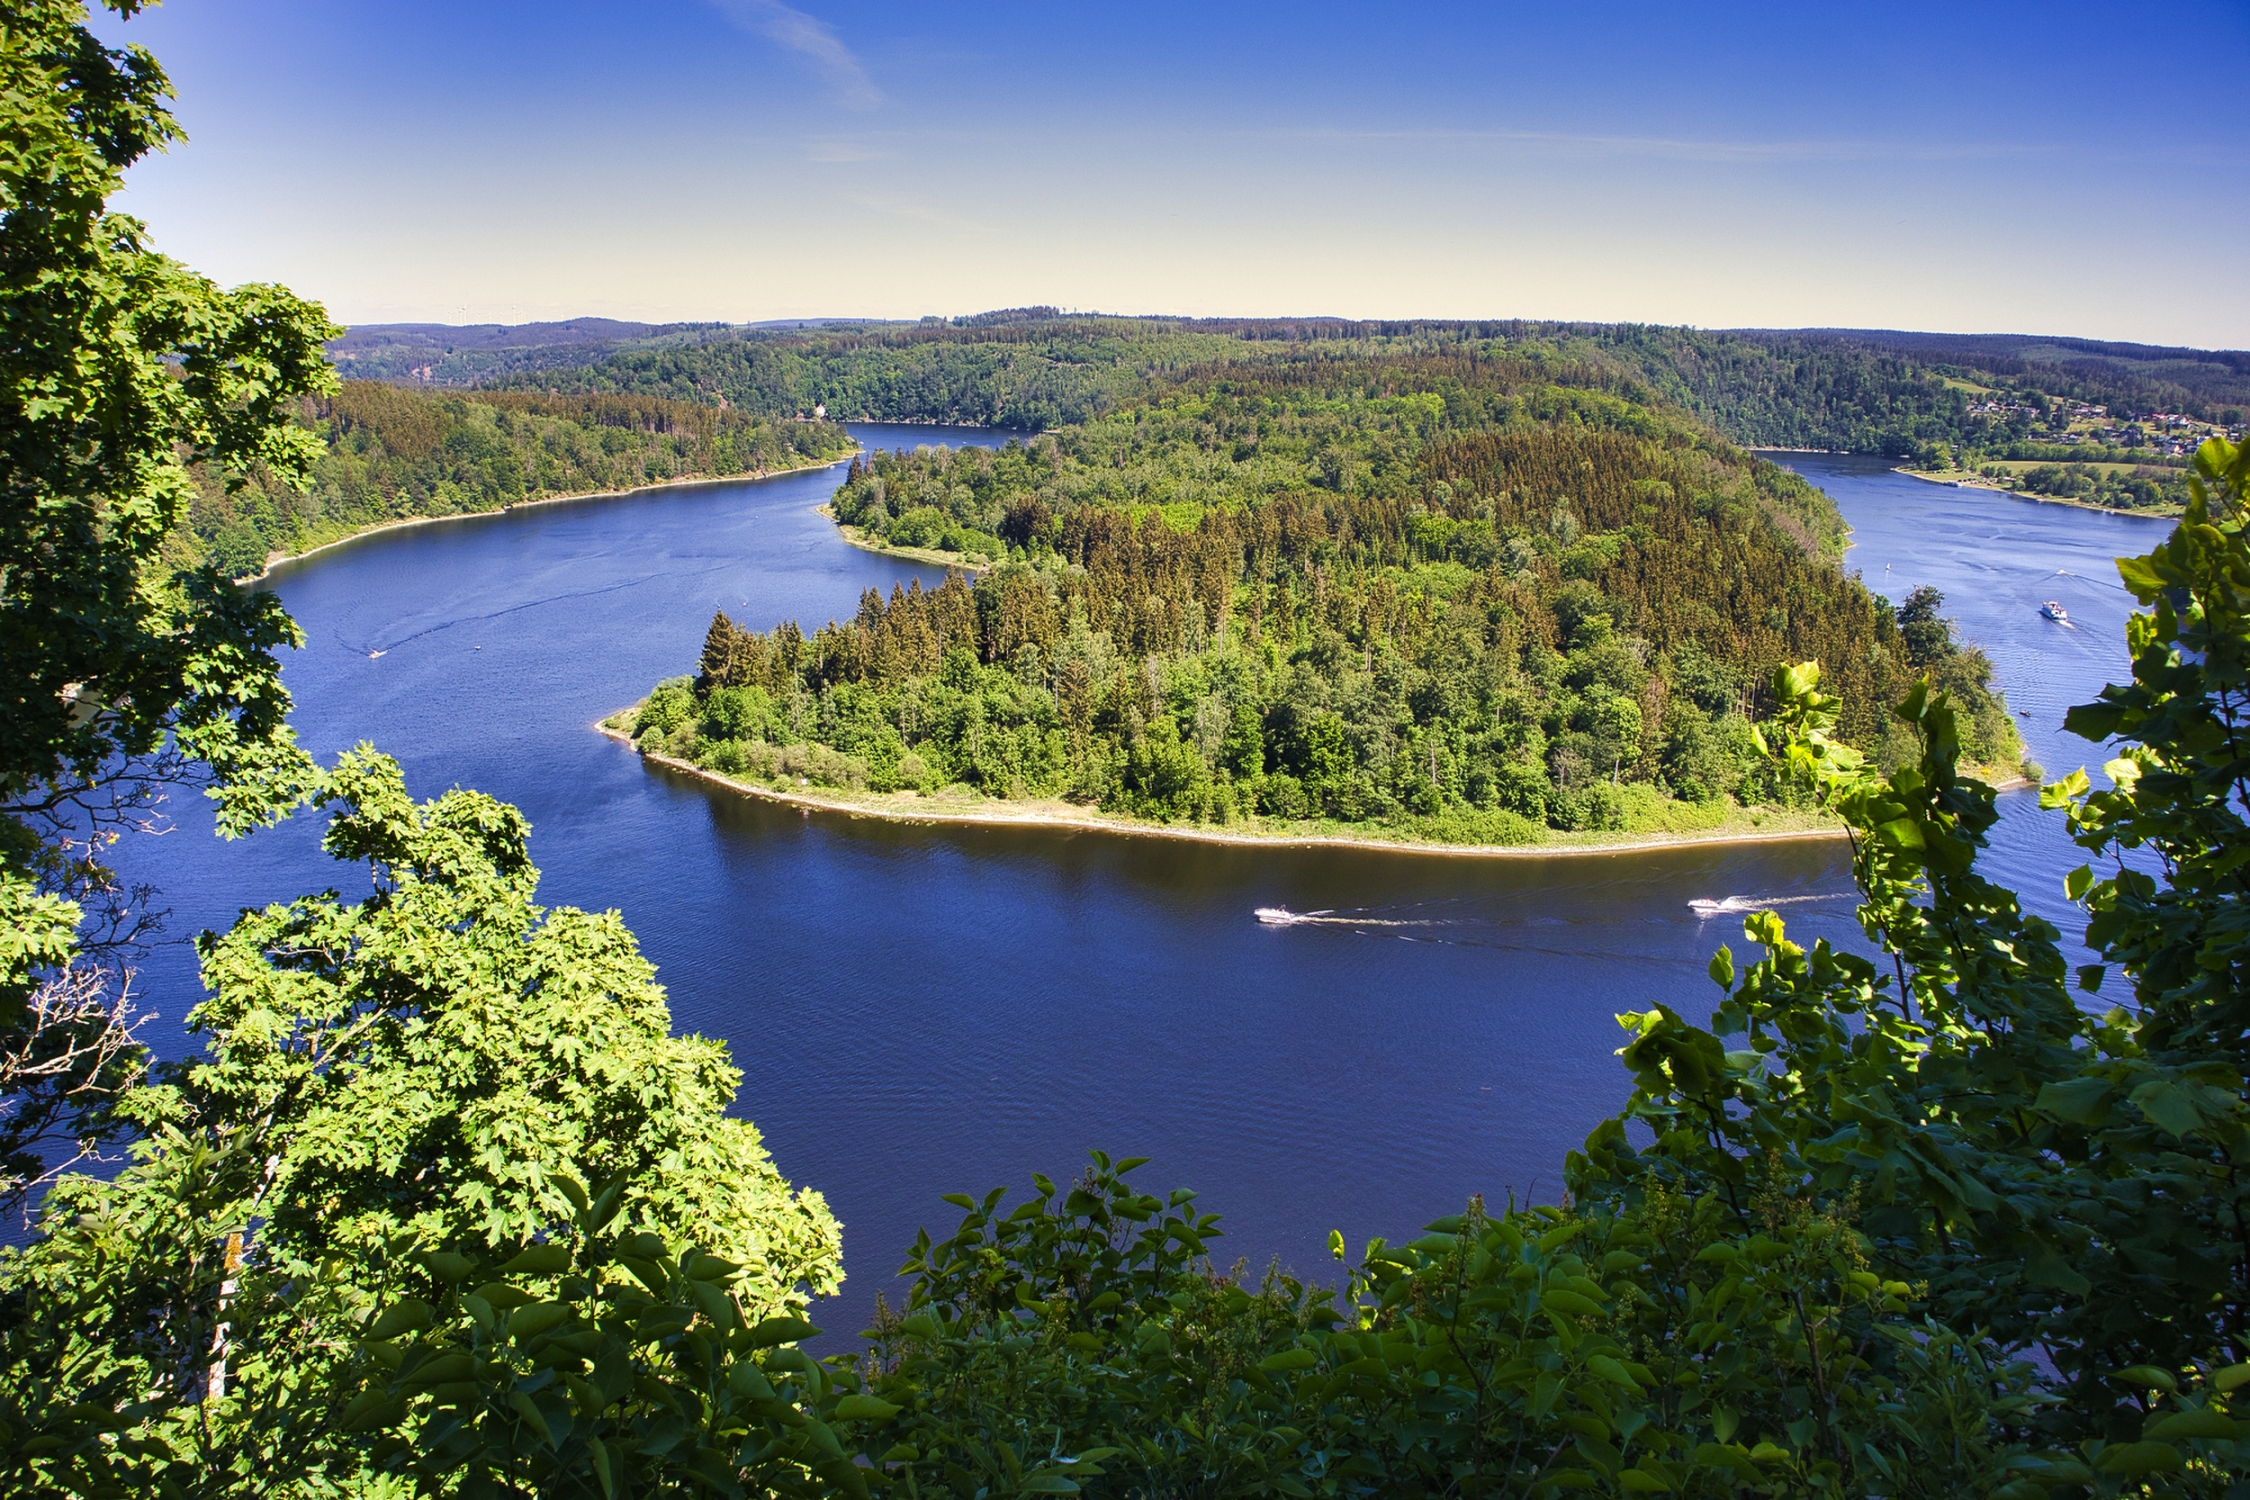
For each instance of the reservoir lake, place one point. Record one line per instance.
(920, 1009)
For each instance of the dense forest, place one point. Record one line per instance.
(1446, 596)
(391, 454)
(1935, 399)
(1029, 375)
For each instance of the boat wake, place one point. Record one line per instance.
(1282, 916)
(1706, 906)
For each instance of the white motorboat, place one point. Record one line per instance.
(2054, 611)
(1277, 916)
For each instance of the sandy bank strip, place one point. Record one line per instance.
(275, 559)
(927, 556)
(1979, 482)
(1040, 817)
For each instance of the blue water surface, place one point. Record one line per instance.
(927, 1009)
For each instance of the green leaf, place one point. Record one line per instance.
(527, 1409)
(1609, 1369)
(2079, 1101)
(2200, 1423)
(447, 1266)
(371, 1409)
(1563, 1300)
(2046, 1267)
(2149, 1378)
(1901, 834)
(779, 1331)
(2125, 1460)
(2141, 576)
(597, 1215)
(407, 1315)
(539, 1260)
(860, 1407)
(1721, 968)
(600, 1454)
(538, 1318)
(2169, 1105)
(1288, 1359)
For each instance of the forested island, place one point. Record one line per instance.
(390, 454)
(1477, 598)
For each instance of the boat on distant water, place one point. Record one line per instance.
(2054, 611)
(1277, 916)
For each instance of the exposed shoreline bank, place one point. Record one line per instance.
(276, 559)
(989, 813)
(927, 556)
(1979, 482)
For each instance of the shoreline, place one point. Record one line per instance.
(276, 559)
(1036, 816)
(1979, 482)
(929, 557)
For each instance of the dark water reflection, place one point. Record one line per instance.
(924, 1009)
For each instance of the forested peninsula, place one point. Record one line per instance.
(392, 455)
(1478, 598)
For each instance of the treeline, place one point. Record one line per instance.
(395, 454)
(1030, 375)
(2137, 489)
(1924, 397)
(1867, 394)
(1441, 596)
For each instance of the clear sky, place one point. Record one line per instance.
(2055, 167)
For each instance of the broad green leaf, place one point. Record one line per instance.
(2184, 1425)
(2149, 1378)
(2129, 1460)
(860, 1407)
(2081, 1101)
(1563, 1300)
(407, 1315)
(779, 1331)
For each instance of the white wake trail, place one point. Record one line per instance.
(1705, 906)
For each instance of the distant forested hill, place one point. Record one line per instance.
(1933, 398)
(458, 355)
(398, 454)
(1464, 596)
(1031, 375)
(1901, 393)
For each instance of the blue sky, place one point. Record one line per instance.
(2042, 168)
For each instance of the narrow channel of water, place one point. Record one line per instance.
(924, 1009)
